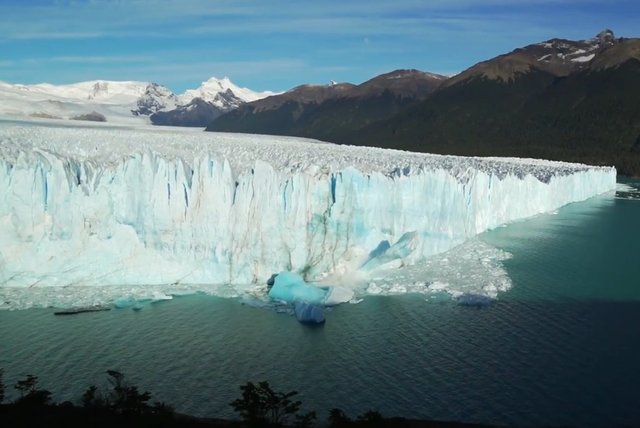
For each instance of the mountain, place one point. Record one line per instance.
(213, 91)
(557, 57)
(124, 102)
(198, 107)
(154, 99)
(330, 111)
(197, 113)
(558, 99)
(132, 102)
(520, 104)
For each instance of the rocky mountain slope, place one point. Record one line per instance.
(584, 111)
(558, 99)
(330, 111)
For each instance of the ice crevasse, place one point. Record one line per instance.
(111, 206)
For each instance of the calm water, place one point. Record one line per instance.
(562, 347)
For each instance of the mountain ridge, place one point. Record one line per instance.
(121, 101)
(333, 110)
(557, 99)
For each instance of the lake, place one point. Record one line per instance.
(560, 347)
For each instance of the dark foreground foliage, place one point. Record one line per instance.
(124, 405)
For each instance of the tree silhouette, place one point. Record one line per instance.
(29, 392)
(306, 420)
(260, 405)
(1, 386)
(338, 419)
(371, 417)
(125, 398)
(92, 398)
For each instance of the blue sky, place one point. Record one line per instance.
(282, 43)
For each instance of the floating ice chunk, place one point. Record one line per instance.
(290, 287)
(624, 187)
(159, 297)
(373, 288)
(124, 302)
(336, 295)
(307, 313)
(437, 286)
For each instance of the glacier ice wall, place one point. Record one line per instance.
(113, 206)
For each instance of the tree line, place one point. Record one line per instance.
(125, 405)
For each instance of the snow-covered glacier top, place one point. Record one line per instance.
(95, 206)
(111, 145)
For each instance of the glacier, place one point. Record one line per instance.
(96, 206)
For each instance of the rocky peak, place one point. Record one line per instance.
(404, 83)
(605, 37)
(155, 98)
(559, 57)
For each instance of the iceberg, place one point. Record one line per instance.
(307, 313)
(133, 207)
(289, 287)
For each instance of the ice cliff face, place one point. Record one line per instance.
(107, 206)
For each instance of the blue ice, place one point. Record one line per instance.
(289, 287)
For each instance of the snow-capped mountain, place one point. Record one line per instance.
(223, 93)
(121, 101)
(111, 100)
(198, 107)
(94, 90)
(154, 99)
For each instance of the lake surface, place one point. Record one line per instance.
(561, 347)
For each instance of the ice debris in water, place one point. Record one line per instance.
(473, 299)
(308, 313)
(289, 287)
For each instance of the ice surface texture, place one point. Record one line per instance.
(97, 206)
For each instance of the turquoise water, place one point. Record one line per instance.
(562, 347)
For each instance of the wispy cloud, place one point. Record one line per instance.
(116, 59)
(47, 35)
(162, 18)
(280, 42)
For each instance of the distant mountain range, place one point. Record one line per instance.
(331, 112)
(125, 102)
(558, 99)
